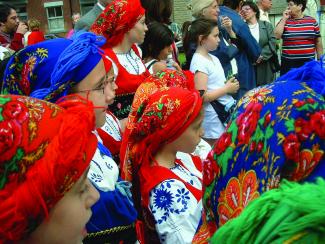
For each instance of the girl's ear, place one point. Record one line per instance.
(200, 39)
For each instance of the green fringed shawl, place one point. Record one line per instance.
(292, 213)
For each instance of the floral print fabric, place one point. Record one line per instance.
(277, 131)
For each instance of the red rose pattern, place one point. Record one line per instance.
(15, 110)
(302, 129)
(10, 138)
(317, 121)
(291, 146)
(247, 122)
(222, 143)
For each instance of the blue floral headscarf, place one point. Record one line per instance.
(277, 132)
(49, 69)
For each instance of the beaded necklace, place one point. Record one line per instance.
(132, 61)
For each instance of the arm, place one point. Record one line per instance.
(319, 47)
(17, 42)
(278, 31)
(201, 83)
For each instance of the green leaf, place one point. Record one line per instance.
(290, 124)
(233, 128)
(268, 132)
(224, 159)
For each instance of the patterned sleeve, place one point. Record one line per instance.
(176, 211)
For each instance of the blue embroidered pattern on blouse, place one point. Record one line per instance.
(164, 199)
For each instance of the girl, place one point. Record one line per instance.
(157, 47)
(44, 191)
(123, 24)
(36, 34)
(161, 11)
(80, 68)
(209, 75)
(169, 185)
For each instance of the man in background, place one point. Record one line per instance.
(264, 7)
(89, 18)
(11, 30)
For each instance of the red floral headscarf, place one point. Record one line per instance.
(44, 149)
(119, 17)
(156, 82)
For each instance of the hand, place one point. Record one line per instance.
(232, 85)
(259, 60)
(286, 14)
(22, 28)
(226, 22)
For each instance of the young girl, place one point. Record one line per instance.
(209, 75)
(122, 23)
(44, 191)
(169, 185)
(157, 47)
(36, 34)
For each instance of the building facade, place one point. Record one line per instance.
(54, 15)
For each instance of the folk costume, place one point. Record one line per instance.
(118, 18)
(170, 197)
(38, 165)
(114, 208)
(277, 132)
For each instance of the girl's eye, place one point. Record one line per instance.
(84, 189)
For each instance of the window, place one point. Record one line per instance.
(55, 16)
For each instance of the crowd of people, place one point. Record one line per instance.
(105, 137)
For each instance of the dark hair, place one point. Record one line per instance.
(253, 6)
(191, 33)
(233, 4)
(157, 38)
(5, 10)
(297, 2)
(158, 10)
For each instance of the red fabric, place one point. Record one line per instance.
(16, 43)
(126, 82)
(44, 149)
(160, 119)
(108, 141)
(119, 17)
(35, 37)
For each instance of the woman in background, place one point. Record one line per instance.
(262, 31)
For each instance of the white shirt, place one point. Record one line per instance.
(176, 211)
(255, 31)
(264, 16)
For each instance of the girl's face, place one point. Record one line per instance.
(191, 137)
(67, 219)
(138, 32)
(165, 52)
(211, 42)
(99, 87)
(248, 13)
(211, 12)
